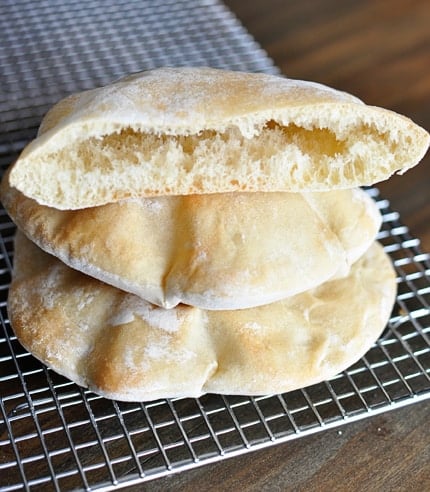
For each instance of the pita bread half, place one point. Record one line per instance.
(219, 251)
(180, 131)
(127, 349)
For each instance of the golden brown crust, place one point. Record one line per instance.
(127, 349)
(220, 251)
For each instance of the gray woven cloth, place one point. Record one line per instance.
(51, 48)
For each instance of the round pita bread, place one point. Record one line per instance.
(177, 131)
(127, 349)
(219, 251)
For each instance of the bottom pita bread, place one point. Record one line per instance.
(124, 348)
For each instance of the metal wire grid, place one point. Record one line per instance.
(57, 436)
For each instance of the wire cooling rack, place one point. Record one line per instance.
(57, 436)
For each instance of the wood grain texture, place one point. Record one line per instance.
(379, 51)
(389, 452)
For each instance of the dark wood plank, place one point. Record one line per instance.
(387, 452)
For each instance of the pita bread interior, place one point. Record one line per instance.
(125, 348)
(219, 251)
(179, 131)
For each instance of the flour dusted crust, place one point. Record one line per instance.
(127, 349)
(219, 251)
(176, 131)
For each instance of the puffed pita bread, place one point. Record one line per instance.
(127, 349)
(218, 251)
(177, 131)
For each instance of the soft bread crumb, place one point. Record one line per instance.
(137, 163)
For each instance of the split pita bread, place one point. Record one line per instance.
(178, 131)
(127, 349)
(219, 251)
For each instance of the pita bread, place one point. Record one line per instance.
(219, 251)
(125, 348)
(179, 131)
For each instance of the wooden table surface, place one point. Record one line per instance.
(379, 51)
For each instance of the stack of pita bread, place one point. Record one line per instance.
(192, 230)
